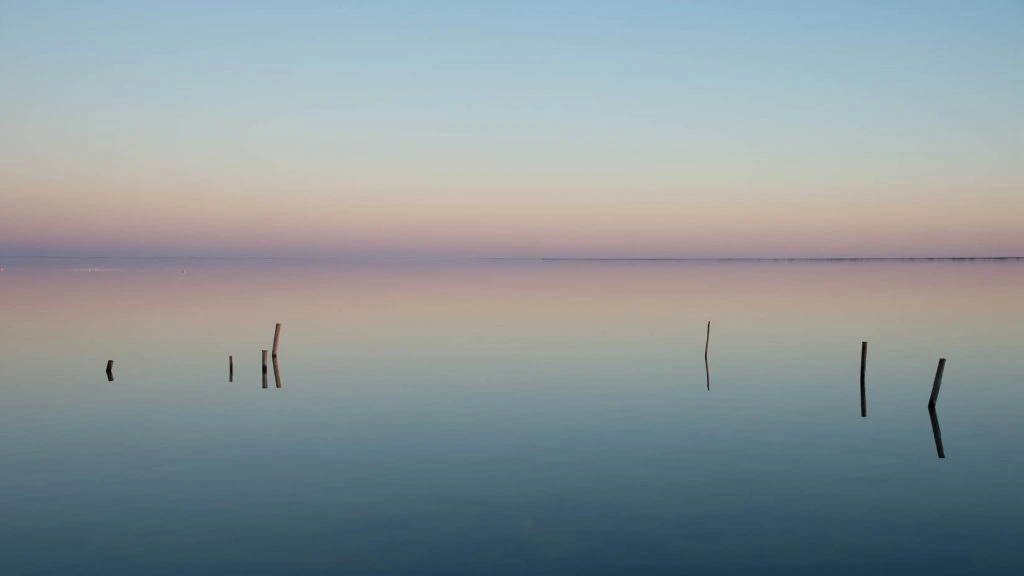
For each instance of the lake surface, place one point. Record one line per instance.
(510, 418)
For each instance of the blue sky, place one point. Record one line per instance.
(484, 127)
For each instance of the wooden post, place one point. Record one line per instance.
(863, 390)
(707, 341)
(937, 383)
(231, 368)
(277, 337)
(936, 433)
(277, 373)
(264, 368)
(863, 359)
(110, 370)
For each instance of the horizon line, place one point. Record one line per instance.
(538, 258)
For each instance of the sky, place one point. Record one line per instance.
(512, 129)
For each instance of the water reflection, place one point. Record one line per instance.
(707, 341)
(936, 432)
(509, 417)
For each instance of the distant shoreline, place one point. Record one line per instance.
(816, 259)
(544, 258)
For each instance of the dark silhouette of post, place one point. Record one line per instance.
(277, 337)
(277, 373)
(863, 390)
(936, 433)
(231, 368)
(707, 370)
(707, 341)
(110, 370)
(937, 383)
(264, 368)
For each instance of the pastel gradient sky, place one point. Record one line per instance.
(528, 128)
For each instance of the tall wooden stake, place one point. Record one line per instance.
(277, 337)
(110, 370)
(231, 368)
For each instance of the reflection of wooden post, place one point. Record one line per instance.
(936, 433)
(110, 370)
(937, 383)
(277, 373)
(863, 391)
(277, 337)
(707, 371)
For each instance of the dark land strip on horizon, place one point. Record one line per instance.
(554, 258)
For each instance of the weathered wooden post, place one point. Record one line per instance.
(231, 368)
(277, 373)
(277, 337)
(110, 370)
(937, 383)
(863, 390)
(707, 341)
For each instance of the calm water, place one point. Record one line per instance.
(510, 418)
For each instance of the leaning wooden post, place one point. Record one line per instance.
(863, 390)
(277, 373)
(231, 368)
(277, 337)
(110, 370)
(937, 383)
